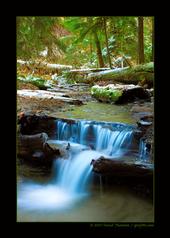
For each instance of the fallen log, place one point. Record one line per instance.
(139, 74)
(42, 94)
(82, 74)
(121, 168)
(119, 93)
(143, 74)
(88, 70)
(36, 66)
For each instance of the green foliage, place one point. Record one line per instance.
(36, 81)
(148, 38)
(34, 34)
(122, 38)
(149, 67)
(106, 94)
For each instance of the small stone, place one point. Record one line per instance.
(144, 123)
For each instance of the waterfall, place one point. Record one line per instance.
(73, 174)
(87, 140)
(143, 151)
(112, 139)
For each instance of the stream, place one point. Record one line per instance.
(71, 192)
(99, 112)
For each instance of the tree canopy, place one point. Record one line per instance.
(93, 41)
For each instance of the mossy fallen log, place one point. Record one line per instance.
(78, 75)
(139, 74)
(143, 74)
(119, 93)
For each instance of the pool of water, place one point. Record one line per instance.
(99, 112)
(42, 200)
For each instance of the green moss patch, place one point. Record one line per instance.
(106, 94)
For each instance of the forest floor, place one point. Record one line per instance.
(52, 107)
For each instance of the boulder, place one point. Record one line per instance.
(31, 124)
(35, 148)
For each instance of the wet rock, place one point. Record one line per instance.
(141, 108)
(137, 134)
(38, 155)
(34, 148)
(148, 118)
(145, 125)
(31, 124)
(121, 168)
(151, 91)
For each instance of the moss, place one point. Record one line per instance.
(127, 76)
(36, 81)
(106, 94)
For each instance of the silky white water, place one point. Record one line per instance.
(69, 185)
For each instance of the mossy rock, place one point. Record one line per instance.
(119, 93)
(106, 94)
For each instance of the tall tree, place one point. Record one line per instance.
(98, 49)
(140, 41)
(97, 42)
(107, 43)
(84, 30)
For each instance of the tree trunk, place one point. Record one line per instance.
(91, 50)
(140, 41)
(153, 32)
(98, 48)
(107, 45)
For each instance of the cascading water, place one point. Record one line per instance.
(113, 139)
(74, 173)
(87, 140)
(144, 154)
